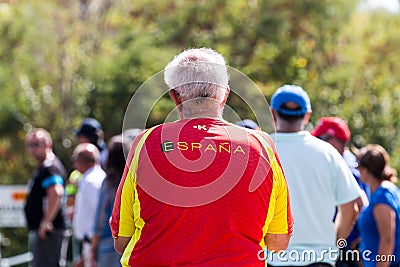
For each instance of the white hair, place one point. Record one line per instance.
(198, 72)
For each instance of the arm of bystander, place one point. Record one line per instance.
(346, 216)
(385, 218)
(54, 194)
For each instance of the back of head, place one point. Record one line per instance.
(197, 73)
(130, 135)
(332, 126)
(87, 154)
(291, 102)
(92, 130)
(376, 160)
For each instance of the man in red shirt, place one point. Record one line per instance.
(200, 191)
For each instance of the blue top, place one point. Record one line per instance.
(351, 161)
(387, 194)
(103, 213)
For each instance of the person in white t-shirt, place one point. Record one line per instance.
(318, 180)
(86, 158)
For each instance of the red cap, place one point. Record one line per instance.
(332, 126)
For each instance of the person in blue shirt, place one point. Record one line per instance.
(379, 222)
(335, 131)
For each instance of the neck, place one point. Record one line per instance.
(86, 168)
(288, 127)
(374, 184)
(205, 109)
(49, 155)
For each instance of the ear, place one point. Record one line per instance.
(274, 115)
(307, 117)
(177, 100)
(175, 97)
(228, 90)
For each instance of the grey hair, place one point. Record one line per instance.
(198, 72)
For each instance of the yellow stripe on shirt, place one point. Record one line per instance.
(131, 223)
(276, 221)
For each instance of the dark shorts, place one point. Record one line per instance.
(46, 252)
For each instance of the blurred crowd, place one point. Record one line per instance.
(79, 232)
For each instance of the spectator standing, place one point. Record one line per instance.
(379, 222)
(86, 158)
(43, 208)
(220, 211)
(318, 180)
(335, 131)
(102, 242)
(91, 132)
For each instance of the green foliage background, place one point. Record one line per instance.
(61, 61)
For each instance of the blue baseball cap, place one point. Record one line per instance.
(291, 93)
(247, 123)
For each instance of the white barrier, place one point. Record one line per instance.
(16, 260)
(12, 201)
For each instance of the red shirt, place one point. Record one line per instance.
(200, 192)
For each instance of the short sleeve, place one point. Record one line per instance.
(52, 180)
(346, 186)
(387, 197)
(125, 218)
(279, 218)
(122, 217)
(282, 221)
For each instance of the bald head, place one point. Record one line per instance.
(85, 156)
